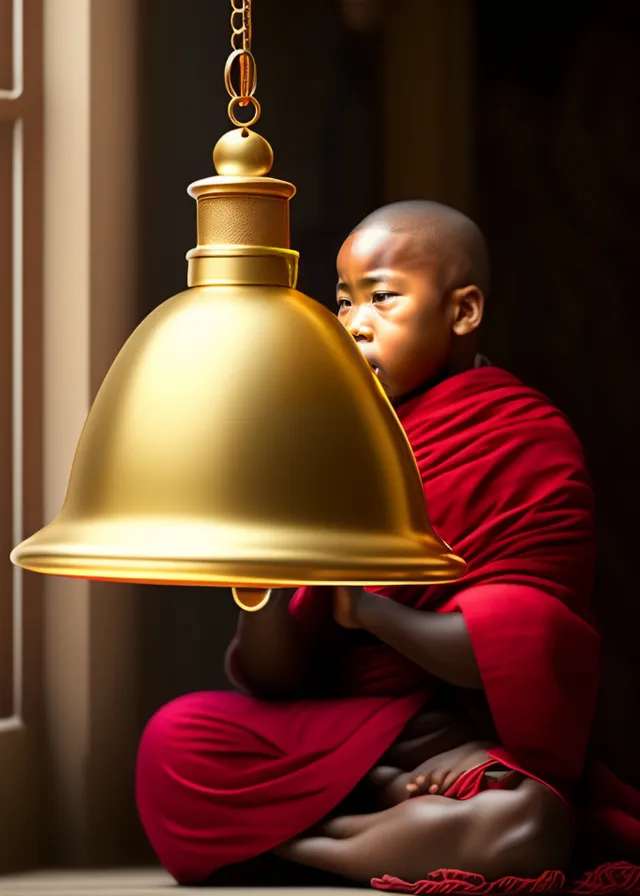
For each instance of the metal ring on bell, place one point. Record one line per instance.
(228, 83)
(253, 599)
(236, 101)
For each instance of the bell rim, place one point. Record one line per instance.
(394, 578)
(427, 560)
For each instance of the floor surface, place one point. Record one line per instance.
(130, 882)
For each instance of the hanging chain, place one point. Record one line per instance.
(241, 25)
(241, 52)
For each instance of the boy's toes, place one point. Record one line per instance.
(443, 782)
(417, 785)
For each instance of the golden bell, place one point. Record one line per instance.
(240, 439)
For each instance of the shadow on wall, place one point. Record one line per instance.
(559, 199)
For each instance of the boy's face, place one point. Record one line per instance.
(393, 299)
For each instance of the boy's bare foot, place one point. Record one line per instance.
(437, 775)
(433, 776)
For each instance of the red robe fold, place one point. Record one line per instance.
(223, 777)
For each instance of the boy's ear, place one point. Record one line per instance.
(468, 306)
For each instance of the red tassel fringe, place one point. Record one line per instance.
(614, 877)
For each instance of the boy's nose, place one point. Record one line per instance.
(361, 334)
(359, 328)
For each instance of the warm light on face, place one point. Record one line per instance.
(392, 299)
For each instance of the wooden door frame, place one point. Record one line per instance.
(22, 732)
(66, 755)
(90, 309)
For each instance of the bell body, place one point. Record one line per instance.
(241, 439)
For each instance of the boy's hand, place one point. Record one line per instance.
(346, 600)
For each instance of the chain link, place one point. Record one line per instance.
(241, 9)
(241, 35)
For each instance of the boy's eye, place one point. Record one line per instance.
(343, 303)
(383, 296)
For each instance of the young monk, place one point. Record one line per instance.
(402, 730)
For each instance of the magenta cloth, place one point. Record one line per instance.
(223, 777)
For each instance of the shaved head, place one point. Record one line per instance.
(412, 278)
(439, 232)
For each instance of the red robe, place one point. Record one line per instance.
(223, 777)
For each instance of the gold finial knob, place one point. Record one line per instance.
(242, 153)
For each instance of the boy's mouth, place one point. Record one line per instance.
(371, 362)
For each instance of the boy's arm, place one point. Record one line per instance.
(272, 654)
(438, 642)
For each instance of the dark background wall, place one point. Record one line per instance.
(553, 175)
(558, 195)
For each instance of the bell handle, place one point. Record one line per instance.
(251, 599)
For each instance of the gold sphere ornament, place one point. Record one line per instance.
(242, 153)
